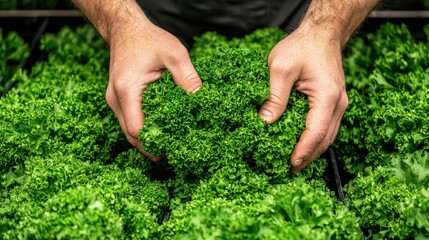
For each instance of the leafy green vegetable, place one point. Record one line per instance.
(13, 50)
(63, 197)
(295, 210)
(66, 171)
(57, 134)
(261, 40)
(219, 125)
(385, 132)
(388, 82)
(392, 201)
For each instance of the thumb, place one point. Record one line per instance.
(275, 105)
(184, 73)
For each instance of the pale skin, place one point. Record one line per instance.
(309, 60)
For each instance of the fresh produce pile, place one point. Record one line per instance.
(384, 138)
(67, 171)
(219, 126)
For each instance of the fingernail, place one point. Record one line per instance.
(297, 162)
(198, 88)
(265, 114)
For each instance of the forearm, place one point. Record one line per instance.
(111, 17)
(336, 19)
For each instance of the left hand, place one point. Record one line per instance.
(311, 62)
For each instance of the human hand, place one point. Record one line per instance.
(139, 53)
(310, 62)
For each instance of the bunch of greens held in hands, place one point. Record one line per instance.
(219, 124)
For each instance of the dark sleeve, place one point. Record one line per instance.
(287, 14)
(232, 18)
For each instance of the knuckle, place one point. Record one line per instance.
(334, 94)
(192, 80)
(131, 140)
(320, 135)
(110, 97)
(277, 98)
(126, 88)
(120, 86)
(277, 66)
(132, 132)
(344, 102)
(180, 55)
(333, 137)
(323, 147)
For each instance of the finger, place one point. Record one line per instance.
(335, 127)
(317, 133)
(136, 142)
(115, 105)
(281, 83)
(341, 108)
(183, 72)
(129, 97)
(332, 132)
(321, 148)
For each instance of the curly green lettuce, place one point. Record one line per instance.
(13, 50)
(219, 124)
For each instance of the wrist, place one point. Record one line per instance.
(336, 20)
(319, 36)
(113, 18)
(326, 30)
(124, 21)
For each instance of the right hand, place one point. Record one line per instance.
(139, 53)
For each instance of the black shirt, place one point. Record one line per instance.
(232, 18)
